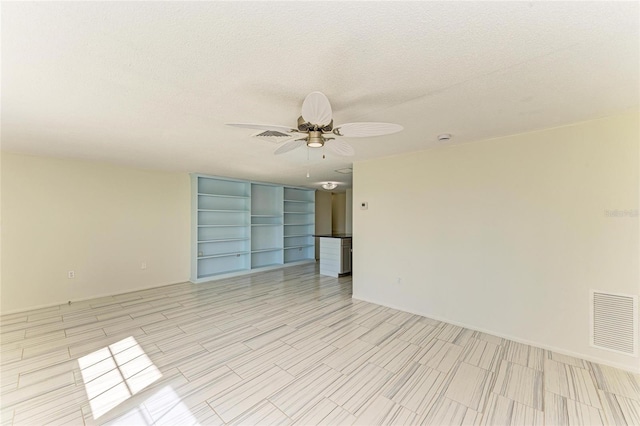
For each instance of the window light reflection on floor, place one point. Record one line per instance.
(114, 373)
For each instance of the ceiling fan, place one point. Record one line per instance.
(315, 126)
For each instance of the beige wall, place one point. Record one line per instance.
(506, 235)
(323, 216)
(348, 224)
(99, 220)
(338, 212)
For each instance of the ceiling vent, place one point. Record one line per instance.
(272, 136)
(345, 171)
(614, 322)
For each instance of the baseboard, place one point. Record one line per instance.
(84, 299)
(64, 302)
(506, 336)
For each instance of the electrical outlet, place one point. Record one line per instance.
(143, 265)
(71, 274)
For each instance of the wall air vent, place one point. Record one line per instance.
(614, 322)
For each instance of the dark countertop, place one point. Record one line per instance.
(333, 235)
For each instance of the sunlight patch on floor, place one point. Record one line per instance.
(114, 373)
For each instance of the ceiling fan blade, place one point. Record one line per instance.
(363, 130)
(289, 146)
(316, 109)
(339, 147)
(274, 127)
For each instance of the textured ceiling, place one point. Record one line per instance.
(151, 84)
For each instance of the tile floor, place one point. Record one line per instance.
(282, 347)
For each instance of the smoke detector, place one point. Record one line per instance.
(444, 137)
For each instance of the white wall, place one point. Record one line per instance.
(99, 220)
(506, 235)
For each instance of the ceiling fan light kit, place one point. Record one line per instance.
(315, 125)
(315, 139)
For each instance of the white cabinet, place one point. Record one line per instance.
(335, 256)
(240, 226)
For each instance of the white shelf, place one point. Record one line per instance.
(220, 226)
(298, 235)
(222, 195)
(223, 211)
(302, 246)
(266, 250)
(222, 240)
(237, 253)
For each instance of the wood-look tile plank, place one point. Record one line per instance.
(241, 397)
(571, 382)
(325, 413)
(564, 411)
(257, 361)
(351, 357)
(394, 355)
(504, 411)
(469, 386)
(448, 412)
(439, 355)
(360, 388)
(305, 391)
(343, 334)
(416, 387)
(174, 404)
(525, 355)
(264, 413)
(383, 411)
(454, 334)
(483, 354)
(419, 333)
(381, 333)
(521, 384)
(613, 380)
(620, 410)
(296, 361)
(268, 337)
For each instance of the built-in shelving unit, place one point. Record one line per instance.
(266, 225)
(241, 226)
(299, 224)
(222, 242)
